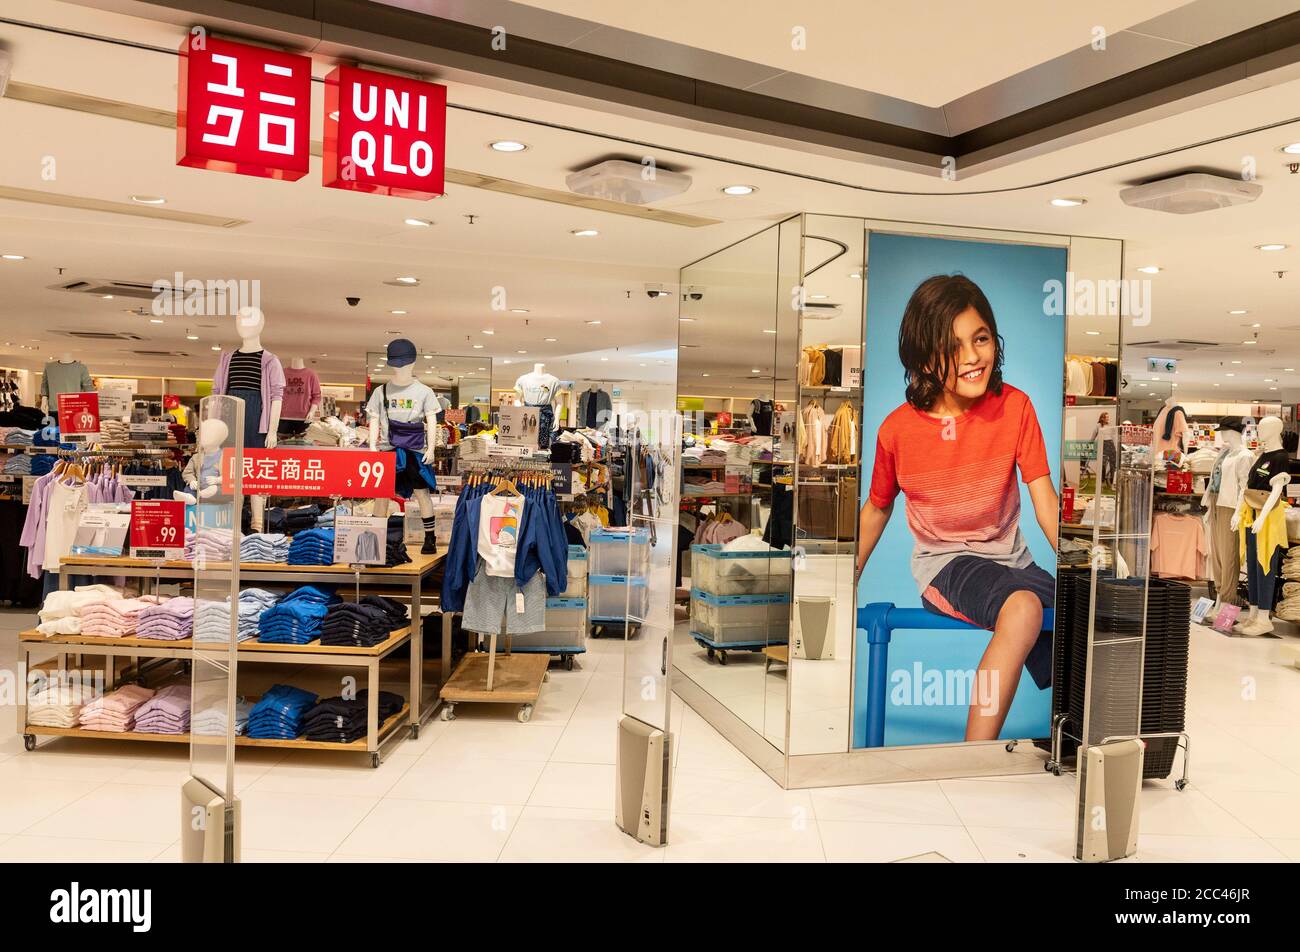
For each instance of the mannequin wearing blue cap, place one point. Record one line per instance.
(394, 410)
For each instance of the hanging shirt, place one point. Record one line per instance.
(499, 521)
(301, 393)
(58, 377)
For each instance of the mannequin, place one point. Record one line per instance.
(1170, 430)
(65, 375)
(393, 409)
(1261, 514)
(302, 399)
(254, 375)
(594, 407)
(1222, 496)
(540, 389)
(203, 472)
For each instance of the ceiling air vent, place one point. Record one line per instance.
(820, 310)
(1174, 344)
(159, 353)
(124, 289)
(102, 335)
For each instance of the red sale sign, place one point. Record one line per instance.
(243, 109)
(353, 474)
(384, 134)
(157, 528)
(78, 414)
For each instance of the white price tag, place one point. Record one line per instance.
(519, 603)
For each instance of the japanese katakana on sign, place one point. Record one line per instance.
(243, 109)
(384, 134)
(353, 474)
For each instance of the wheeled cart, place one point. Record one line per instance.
(718, 649)
(565, 635)
(492, 678)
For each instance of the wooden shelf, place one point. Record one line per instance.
(90, 642)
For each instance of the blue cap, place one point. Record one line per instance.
(401, 352)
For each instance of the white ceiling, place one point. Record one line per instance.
(873, 45)
(310, 246)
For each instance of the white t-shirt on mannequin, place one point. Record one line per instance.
(536, 389)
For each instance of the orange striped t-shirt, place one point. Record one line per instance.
(958, 475)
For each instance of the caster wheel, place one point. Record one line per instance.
(374, 760)
(1056, 770)
(29, 741)
(546, 677)
(711, 654)
(568, 662)
(1011, 746)
(448, 714)
(415, 732)
(1180, 784)
(525, 714)
(1049, 766)
(722, 657)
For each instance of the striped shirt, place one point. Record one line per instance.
(245, 371)
(959, 477)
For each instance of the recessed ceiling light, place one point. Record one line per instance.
(216, 347)
(1093, 333)
(521, 352)
(148, 199)
(489, 333)
(407, 280)
(482, 368)
(1216, 384)
(505, 361)
(738, 190)
(419, 222)
(1248, 342)
(593, 322)
(1292, 149)
(1150, 269)
(855, 274)
(324, 355)
(155, 320)
(604, 358)
(1230, 375)
(428, 356)
(191, 336)
(756, 371)
(1289, 370)
(640, 365)
(1255, 325)
(508, 145)
(768, 331)
(478, 346)
(1240, 310)
(1269, 380)
(1141, 385)
(12, 257)
(1236, 361)
(108, 297)
(1068, 202)
(551, 340)
(1272, 388)
(1273, 246)
(396, 312)
(585, 233)
(686, 320)
(519, 310)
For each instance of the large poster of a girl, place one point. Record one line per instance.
(967, 426)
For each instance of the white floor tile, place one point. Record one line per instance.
(315, 823)
(1265, 813)
(558, 835)
(1012, 845)
(309, 772)
(63, 849)
(1186, 813)
(853, 842)
(695, 839)
(449, 832)
(923, 802)
(1158, 848)
(575, 786)
(118, 811)
(746, 793)
(507, 740)
(468, 780)
(588, 741)
(1024, 805)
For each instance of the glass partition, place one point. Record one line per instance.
(213, 533)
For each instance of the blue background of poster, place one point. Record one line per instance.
(1012, 277)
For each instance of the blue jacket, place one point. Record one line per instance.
(538, 547)
(462, 549)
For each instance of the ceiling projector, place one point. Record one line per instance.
(1194, 192)
(630, 182)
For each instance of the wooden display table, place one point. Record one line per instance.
(516, 679)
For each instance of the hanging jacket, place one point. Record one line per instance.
(842, 444)
(538, 547)
(462, 549)
(594, 408)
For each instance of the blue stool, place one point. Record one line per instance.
(879, 620)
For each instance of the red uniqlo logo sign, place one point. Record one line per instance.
(384, 134)
(78, 413)
(157, 528)
(353, 474)
(243, 109)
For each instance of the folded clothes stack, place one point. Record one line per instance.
(312, 547)
(296, 619)
(173, 620)
(337, 721)
(291, 520)
(395, 548)
(114, 712)
(18, 465)
(326, 519)
(46, 436)
(213, 544)
(114, 617)
(20, 437)
(167, 712)
(362, 624)
(212, 721)
(114, 431)
(264, 547)
(279, 713)
(57, 702)
(212, 618)
(60, 613)
(43, 463)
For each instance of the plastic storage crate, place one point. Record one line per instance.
(612, 598)
(740, 573)
(566, 630)
(740, 620)
(608, 552)
(577, 573)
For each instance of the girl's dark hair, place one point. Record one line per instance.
(926, 345)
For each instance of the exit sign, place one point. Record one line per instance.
(1162, 365)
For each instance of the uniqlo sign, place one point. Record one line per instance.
(243, 109)
(384, 134)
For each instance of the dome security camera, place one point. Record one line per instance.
(653, 291)
(694, 293)
(353, 301)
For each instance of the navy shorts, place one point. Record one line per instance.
(974, 589)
